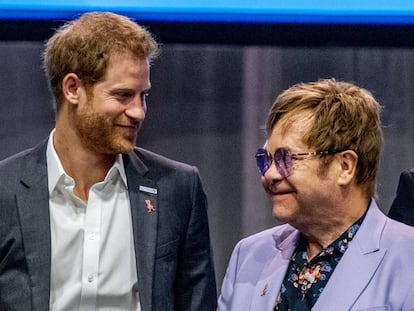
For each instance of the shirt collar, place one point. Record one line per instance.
(55, 169)
(56, 173)
(118, 167)
(340, 245)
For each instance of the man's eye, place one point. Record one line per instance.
(125, 94)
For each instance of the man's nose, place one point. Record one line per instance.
(136, 109)
(273, 173)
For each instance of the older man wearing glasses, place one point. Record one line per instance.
(337, 250)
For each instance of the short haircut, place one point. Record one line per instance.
(342, 116)
(85, 45)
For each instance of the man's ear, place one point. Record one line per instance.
(348, 161)
(71, 85)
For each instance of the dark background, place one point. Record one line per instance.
(212, 87)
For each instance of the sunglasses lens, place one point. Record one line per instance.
(283, 161)
(263, 160)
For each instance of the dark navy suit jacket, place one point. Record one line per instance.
(172, 245)
(402, 208)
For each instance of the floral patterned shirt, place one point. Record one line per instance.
(304, 281)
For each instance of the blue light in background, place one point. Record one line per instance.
(244, 11)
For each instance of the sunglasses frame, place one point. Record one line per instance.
(283, 159)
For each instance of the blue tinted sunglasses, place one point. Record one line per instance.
(283, 159)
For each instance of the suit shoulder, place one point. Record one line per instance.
(274, 235)
(20, 157)
(398, 238)
(255, 251)
(407, 175)
(13, 162)
(399, 232)
(15, 165)
(11, 170)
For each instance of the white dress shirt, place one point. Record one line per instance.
(93, 257)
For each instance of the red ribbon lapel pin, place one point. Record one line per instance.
(150, 207)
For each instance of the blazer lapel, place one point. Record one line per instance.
(356, 267)
(143, 196)
(271, 278)
(32, 198)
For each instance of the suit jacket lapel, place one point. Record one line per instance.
(271, 278)
(143, 196)
(32, 198)
(357, 266)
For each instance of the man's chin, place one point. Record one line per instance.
(126, 148)
(282, 213)
(121, 146)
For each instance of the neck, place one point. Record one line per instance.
(326, 230)
(84, 166)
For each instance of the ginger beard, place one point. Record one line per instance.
(101, 134)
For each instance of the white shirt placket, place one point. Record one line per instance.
(90, 276)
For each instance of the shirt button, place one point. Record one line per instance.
(92, 236)
(90, 278)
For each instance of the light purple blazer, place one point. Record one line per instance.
(375, 273)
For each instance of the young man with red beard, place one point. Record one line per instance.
(88, 220)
